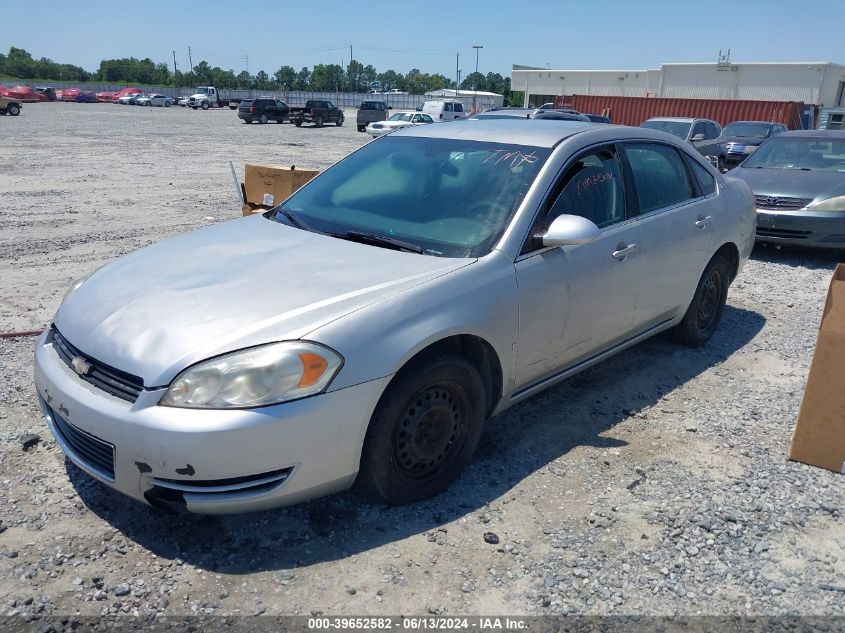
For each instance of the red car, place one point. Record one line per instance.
(25, 94)
(106, 97)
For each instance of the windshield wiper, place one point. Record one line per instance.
(379, 240)
(294, 219)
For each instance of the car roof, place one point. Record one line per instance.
(530, 132)
(759, 122)
(681, 119)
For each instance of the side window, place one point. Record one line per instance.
(704, 177)
(459, 107)
(447, 107)
(659, 174)
(698, 128)
(417, 119)
(592, 188)
(426, 119)
(712, 130)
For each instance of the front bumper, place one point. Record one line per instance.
(207, 461)
(825, 229)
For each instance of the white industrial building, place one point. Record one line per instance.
(819, 83)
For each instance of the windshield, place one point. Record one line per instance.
(449, 197)
(746, 129)
(799, 152)
(202, 90)
(401, 116)
(677, 128)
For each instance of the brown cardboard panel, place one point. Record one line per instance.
(819, 438)
(269, 185)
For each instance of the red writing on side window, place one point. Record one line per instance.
(585, 183)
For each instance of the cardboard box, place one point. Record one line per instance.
(265, 186)
(819, 438)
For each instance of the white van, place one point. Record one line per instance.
(444, 109)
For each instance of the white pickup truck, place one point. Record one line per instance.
(209, 97)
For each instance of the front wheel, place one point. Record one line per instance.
(339, 121)
(166, 104)
(205, 105)
(705, 311)
(298, 123)
(262, 119)
(424, 430)
(13, 109)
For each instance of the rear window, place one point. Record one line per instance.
(246, 103)
(372, 105)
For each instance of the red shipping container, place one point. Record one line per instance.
(635, 110)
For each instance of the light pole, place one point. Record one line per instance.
(475, 87)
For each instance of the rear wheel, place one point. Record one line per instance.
(13, 109)
(424, 430)
(298, 123)
(318, 121)
(708, 304)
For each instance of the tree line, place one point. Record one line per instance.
(356, 77)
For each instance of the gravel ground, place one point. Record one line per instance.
(655, 483)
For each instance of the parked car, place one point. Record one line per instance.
(107, 96)
(559, 115)
(395, 91)
(86, 96)
(703, 134)
(428, 281)
(130, 98)
(47, 91)
(124, 92)
(398, 121)
(25, 94)
(798, 180)
(183, 101)
(504, 113)
(741, 138)
(444, 109)
(70, 94)
(369, 112)
(154, 99)
(10, 106)
(598, 118)
(263, 110)
(317, 112)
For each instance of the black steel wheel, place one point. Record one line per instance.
(707, 305)
(424, 430)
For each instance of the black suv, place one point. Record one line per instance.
(263, 110)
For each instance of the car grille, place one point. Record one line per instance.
(736, 149)
(113, 381)
(248, 483)
(781, 203)
(96, 454)
(782, 233)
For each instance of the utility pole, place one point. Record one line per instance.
(175, 70)
(350, 53)
(190, 61)
(457, 73)
(475, 87)
(247, 64)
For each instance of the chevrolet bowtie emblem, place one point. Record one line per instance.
(80, 365)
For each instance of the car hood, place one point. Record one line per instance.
(795, 183)
(233, 285)
(743, 140)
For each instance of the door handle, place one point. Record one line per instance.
(623, 250)
(702, 222)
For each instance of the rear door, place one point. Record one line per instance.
(675, 212)
(576, 301)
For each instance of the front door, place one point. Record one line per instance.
(575, 301)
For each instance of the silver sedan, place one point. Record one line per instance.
(428, 281)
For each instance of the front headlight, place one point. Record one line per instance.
(831, 204)
(255, 377)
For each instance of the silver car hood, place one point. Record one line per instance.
(229, 286)
(794, 183)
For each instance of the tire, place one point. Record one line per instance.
(205, 105)
(262, 119)
(13, 109)
(166, 104)
(298, 123)
(339, 121)
(318, 121)
(247, 121)
(424, 430)
(361, 128)
(707, 305)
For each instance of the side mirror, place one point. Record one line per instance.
(570, 229)
(697, 137)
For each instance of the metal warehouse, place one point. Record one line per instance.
(819, 83)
